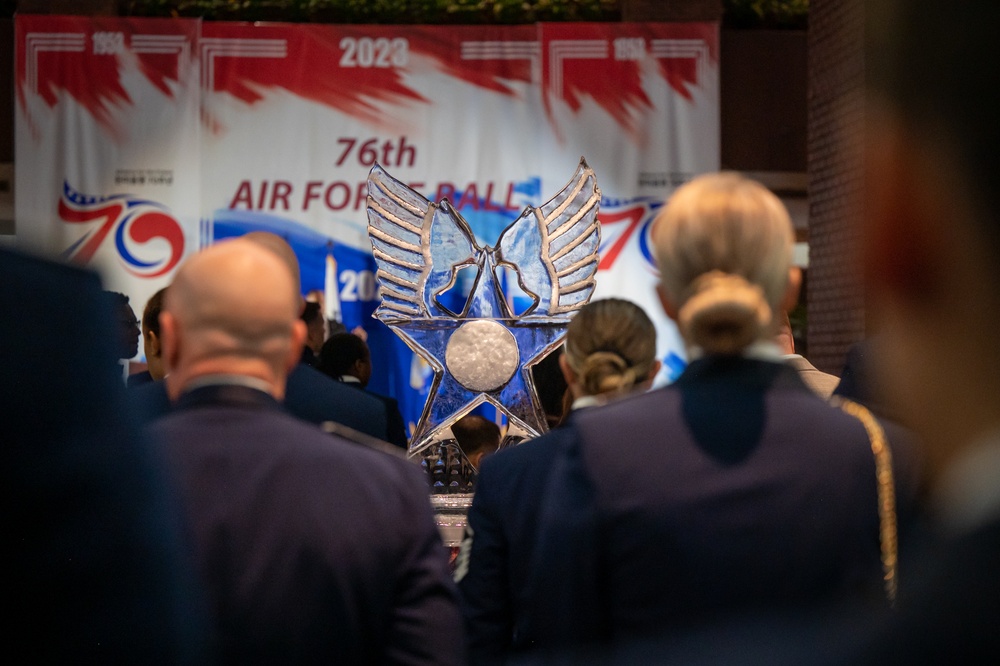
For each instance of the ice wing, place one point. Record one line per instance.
(418, 246)
(554, 247)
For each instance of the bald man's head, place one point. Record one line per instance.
(232, 309)
(280, 247)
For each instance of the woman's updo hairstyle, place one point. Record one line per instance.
(724, 248)
(611, 346)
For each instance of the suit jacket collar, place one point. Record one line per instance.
(227, 395)
(798, 362)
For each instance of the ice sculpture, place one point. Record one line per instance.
(485, 352)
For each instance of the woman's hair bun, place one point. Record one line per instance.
(611, 345)
(726, 242)
(724, 314)
(606, 372)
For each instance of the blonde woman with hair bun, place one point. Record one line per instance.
(724, 249)
(610, 351)
(733, 491)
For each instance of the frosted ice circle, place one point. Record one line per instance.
(482, 355)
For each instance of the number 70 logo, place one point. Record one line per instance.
(618, 227)
(133, 223)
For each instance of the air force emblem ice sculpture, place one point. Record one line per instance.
(484, 353)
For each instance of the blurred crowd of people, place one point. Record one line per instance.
(756, 510)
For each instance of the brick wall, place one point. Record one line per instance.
(836, 119)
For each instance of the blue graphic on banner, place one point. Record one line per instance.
(673, 365)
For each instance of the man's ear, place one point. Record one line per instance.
(298, 340)
(668, 304)
(169, 342)
(791, 297)
(155, 343)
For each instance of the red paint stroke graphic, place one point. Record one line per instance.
(84, 57)
(159, 68)
(349, 68)
(488, 57)
(605, 62)
(360, 69)
(107, 216)
(364, 66)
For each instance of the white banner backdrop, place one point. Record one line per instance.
(139, 141)
(108, 145)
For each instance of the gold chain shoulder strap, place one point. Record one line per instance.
(886, 492)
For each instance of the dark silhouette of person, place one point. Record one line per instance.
(96, 570)
(127, 331)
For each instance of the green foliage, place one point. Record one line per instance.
(765, 13)
(737, 13)
(382, 11)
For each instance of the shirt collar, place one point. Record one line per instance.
(587, 401)
(762, 350)
(228, 380)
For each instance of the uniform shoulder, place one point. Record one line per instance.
(304, 380)
(628, 407)
(533, 451)
(382, 464)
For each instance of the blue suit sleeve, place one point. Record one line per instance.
(426, 625)
(482, 573)
(566, 577)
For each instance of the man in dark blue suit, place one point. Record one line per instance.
(94, 569)
(346, 358)
(312, 549)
